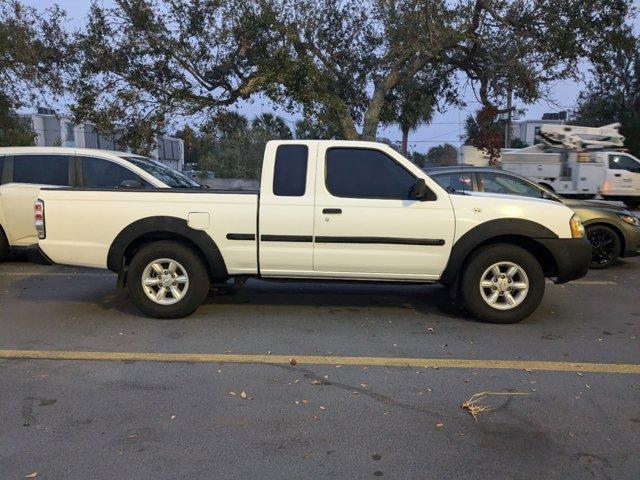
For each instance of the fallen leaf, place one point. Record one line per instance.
(587, 385)
(439, 425)
(316, 382)
(232, 393)
(579, 374)
(471, 405)
(173, 417)
(32, 475)
(292, 361)
(243, 394)
(528, 370)
(305, 402)
(363, 385)
(132, 436)
(322, 408)
(296, 381)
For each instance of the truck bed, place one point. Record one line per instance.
(83, 223)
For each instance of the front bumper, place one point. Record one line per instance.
(572, 256)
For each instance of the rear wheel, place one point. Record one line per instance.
(167, 280)
(502, 283)
(605, 245)
(4, 246)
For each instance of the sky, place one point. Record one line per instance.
(446, 127)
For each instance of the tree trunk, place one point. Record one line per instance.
(405, 140)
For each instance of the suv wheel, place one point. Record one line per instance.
(605, 246)
(167, 280)
(502, 283)
(4, 246)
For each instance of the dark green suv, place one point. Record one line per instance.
(612, 230)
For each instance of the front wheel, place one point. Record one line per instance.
(502, 283)
(605, 246)
(167, 280)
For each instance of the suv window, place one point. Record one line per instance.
(101, 173)
(623, 162)
(290, 170)
(506, 184)
(454, 182)
(366, 173)
(41, 169)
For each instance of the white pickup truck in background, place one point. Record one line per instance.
(331, 210)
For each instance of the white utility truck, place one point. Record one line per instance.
(326, 210)
(579, 162)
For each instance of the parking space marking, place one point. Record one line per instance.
(324, 360)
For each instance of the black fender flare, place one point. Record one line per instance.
(486, 231)
(165, 227)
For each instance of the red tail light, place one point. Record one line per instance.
(38, 214)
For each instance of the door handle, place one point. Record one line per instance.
(332, 210)
(617, 174)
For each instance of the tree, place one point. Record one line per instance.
(442, 155)
(409, 106)
(35, 53)
(613, 92)
(333, 59)
(272, 125)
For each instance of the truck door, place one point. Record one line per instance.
(366, 225)
(623, 175)
(23, 176)
(285, 222)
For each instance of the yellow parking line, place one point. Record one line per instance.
(324, 360)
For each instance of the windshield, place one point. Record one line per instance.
(166, 175)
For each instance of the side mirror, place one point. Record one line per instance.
(420, 191)
(130, 184)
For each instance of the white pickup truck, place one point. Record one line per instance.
(329, 210)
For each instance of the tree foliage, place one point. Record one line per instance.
(442, 155)
(613, 92)
(342, 62)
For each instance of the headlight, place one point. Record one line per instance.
(577, 229)
(630, 219)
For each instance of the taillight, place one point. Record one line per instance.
(38, 214)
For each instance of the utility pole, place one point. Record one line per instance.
(507, 128)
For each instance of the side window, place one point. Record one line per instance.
(454, 182)
(101, 173)
(1, 169)
(623, 162)
(506, 184)
(366, 173)
(290, 170)
(41, 169)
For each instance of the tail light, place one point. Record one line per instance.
(38, 214)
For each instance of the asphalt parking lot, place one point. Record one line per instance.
(342, 410)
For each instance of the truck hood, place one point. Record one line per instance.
(512, 198)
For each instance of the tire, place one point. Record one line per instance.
(4, 246)
(526, 283)
(181, 270)
(605, 245)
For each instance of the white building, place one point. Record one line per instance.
(55, 130)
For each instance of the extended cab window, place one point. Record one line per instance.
(101, 173)
(290, 171)
(623, 162)
(41, 169)
(366, 173)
